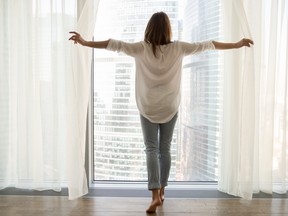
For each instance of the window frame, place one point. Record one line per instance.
(176, 186)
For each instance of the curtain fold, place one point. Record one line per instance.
(254, 150)
(78, 98)
(236, 157)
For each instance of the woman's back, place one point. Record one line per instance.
(158, 77)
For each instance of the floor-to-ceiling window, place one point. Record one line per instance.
(118, 146)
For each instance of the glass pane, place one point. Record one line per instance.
(118, 145)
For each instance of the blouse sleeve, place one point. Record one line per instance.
(194, 48)
(131, 49)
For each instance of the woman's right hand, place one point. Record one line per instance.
(244, 42)
(76, 37)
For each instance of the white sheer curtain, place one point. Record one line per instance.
(38, 77)
(254, 152)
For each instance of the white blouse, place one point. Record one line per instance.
(158, 79)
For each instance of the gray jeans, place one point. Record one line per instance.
(157, 139)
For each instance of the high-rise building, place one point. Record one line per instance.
(118, 143)
(201, 103)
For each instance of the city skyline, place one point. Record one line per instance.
(118, 144)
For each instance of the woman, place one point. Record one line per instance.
(158, 62)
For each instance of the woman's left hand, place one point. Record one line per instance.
(76, 37)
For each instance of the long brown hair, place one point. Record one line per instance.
(158, 30)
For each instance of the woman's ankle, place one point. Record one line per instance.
(155, 194)
(162, 191)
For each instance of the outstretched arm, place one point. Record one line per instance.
(76, 37)
(239, 44)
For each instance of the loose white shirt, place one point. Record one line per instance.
(158, 79)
